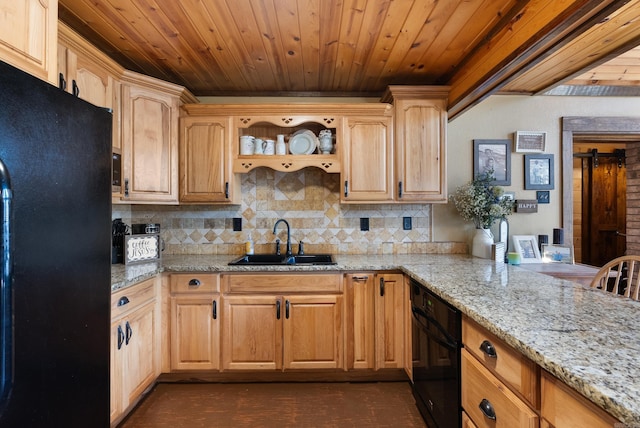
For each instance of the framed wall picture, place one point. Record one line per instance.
(529, 142)
(493, 156)
(556, 253)
(538, 172)
(527, 247)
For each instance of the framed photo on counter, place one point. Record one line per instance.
(527, 247)
(556, 253)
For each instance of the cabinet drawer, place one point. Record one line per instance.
(195, 283)
(480, 386)
(283, 283)
(520, 373)
(131, 298)
(563, 407)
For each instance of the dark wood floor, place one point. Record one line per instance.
(342, 404)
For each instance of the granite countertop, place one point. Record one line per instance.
(582, 336)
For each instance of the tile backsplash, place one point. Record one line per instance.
(309, 200)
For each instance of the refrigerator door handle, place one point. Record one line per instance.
(6, 285)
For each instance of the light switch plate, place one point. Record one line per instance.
(364, 224)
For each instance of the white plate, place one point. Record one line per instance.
(303, 143)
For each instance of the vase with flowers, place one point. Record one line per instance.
(481, 201)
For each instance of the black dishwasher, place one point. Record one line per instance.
(437, 339)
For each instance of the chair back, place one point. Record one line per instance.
(620, 276)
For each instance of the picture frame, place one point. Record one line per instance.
(538, 172)
(493, 155)
(542, 196)
(529, 142)
(527, 247)
(557, 253)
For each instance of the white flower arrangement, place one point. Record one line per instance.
(481, 201)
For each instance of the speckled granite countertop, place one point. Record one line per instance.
(584, 337)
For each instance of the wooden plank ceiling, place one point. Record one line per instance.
(358, 47)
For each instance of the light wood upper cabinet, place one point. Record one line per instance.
(28, 36)
(94, 77)
(367, 169)
(205, 160)
(150, 112)
(420, 142)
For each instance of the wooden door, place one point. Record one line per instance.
(367, 161)
(360, 320)
(150, 145)
(391, 305)
(252, 335)
(420, 150)
(205, 162)
(117, 368)
(313, 332)
(28, 37)
(604, 214)
(195, 333)
(140, 352)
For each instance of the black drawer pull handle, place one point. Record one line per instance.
(488, 349)
(214, 310)
(129, 333)
(194, 283)
(487, 409)
(123, 301)
(277, 309)
(381, 287)
(120, 337)
(286, 307)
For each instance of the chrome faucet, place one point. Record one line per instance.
(275, 226)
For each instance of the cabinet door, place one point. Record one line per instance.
(252, 335)
(205, 162)
(28, 36)
(421, 150)
(391, 305)
(140, 352)
(117, 368)
(150, 145)
(195, 333)
(367, 161)
(360, 321)
(313, 332)
(564, 407)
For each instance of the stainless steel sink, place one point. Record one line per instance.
(273, 259)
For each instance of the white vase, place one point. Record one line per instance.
(482, 242)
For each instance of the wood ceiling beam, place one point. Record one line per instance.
(539, 26)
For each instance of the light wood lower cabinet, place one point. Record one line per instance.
(564, 408)
(488, 401)
(195, 322)
(377, 317)
(134, 345)
(269, 330)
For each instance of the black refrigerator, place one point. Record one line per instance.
(55, 176)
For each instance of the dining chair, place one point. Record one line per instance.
(620, 276)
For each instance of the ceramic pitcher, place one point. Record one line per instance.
(258, 146)
(246, 145)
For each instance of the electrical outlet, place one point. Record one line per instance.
(364, 224)
(406, 223)
(237, 224)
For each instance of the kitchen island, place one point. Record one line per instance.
(583, 337)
